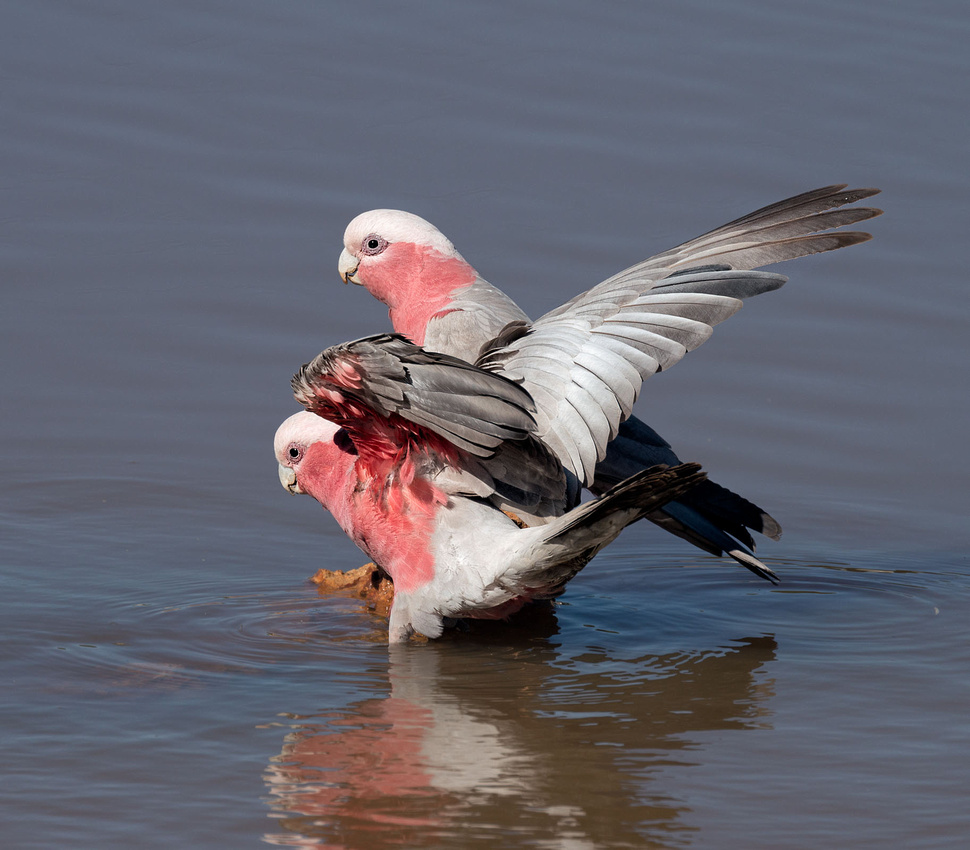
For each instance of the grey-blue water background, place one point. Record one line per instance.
(174, 183)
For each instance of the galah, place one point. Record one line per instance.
(403, 447)
(439, 301)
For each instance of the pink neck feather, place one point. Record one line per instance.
(386, 508)
(416, 282)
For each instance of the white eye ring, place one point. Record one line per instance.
(373, 244)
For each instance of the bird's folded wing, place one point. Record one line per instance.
(394, 398)
(388, 378)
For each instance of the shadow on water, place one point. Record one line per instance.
(473, 741)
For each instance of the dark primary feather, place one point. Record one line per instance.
(640, 446)
(474, 409)
(644, 492)
(709, 280)
(710, 516)
(795, 227)
(801, 206)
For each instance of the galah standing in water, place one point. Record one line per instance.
(440, 302)
(405, 448)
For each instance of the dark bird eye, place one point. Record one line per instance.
(295, 453)
(373, 244)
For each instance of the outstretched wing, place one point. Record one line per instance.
(585, 361)
(804, 224)
(396, 400)
(585, 367)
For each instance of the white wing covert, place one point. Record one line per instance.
(585, 365)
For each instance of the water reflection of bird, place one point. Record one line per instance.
(476, 741)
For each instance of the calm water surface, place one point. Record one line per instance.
(174, 183)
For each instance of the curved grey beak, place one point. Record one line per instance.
(347, 266)
(288, 480)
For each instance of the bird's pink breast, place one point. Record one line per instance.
(397, 525)
(384, 507)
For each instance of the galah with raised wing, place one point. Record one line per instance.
(440, 302)
(405, 449)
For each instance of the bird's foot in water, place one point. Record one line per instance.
(368, 582)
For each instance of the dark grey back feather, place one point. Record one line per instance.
(483, 414)
(474, 409)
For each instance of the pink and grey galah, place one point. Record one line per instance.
(418, 455)
(638, 322)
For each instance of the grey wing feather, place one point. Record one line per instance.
(644, 319)
(585, 366)
(710, 516)
(795, 227)
(484, 414)
(785, 230)
(388, 375)
(555, 553)
(703, 281)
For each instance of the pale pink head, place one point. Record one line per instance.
(315, 456)
(407, 263)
